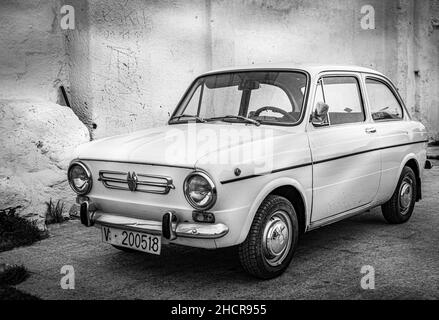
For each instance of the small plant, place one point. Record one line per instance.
(17, 231)
(13, 275)
(54, 213)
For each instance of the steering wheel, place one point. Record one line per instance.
(275, 109)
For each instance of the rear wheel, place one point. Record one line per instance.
(400, 207)
(272, 239)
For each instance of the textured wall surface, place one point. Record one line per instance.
(37, 135)
(132, 60)
(426, 85)
(33, 61)
(128, 62)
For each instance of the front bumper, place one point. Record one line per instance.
(169, 227)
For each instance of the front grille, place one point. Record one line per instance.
(132, 181)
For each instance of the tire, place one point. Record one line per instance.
(266, 259)
(125, 249)
(400, 207)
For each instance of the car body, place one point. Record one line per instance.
(341, 150)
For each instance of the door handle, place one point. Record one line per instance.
(371, 130)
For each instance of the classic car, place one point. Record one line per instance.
(320, 144)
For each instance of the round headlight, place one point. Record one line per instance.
(200, 191)
(79, 178)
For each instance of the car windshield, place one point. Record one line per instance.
(253, 97)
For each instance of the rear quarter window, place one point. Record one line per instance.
(382, 101)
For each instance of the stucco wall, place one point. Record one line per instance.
(426, 65)
(142, 55)
(136, 58)
(127, 63)
(404, 45)
(32, 52)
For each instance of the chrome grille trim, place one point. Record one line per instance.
(163, 184)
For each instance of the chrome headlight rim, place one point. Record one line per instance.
(204, 175)
(87, 171)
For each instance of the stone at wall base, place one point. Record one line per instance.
(38, 140)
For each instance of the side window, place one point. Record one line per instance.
(383, 103)
(342, 95)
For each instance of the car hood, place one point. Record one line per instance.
(187, 145)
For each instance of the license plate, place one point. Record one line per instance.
(133, 240)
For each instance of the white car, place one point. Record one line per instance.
(286, 150)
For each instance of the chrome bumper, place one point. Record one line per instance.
(168, 228)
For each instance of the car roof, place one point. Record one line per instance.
(313, 69)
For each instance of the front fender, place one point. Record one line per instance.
(265, 191)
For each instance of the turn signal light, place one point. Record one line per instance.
(202, 216)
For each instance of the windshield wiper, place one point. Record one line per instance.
(197, 118)
(248, 120)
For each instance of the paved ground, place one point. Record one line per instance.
(433, 152)
(327, 264)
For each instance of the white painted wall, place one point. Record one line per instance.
(127, 63)
(33, 61)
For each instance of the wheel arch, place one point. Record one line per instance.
(295, 197)
(413, 164)
(285, 187)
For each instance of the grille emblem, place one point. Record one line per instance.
(139, 182)
(132, 181)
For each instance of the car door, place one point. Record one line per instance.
(346, 169)
(395, 134)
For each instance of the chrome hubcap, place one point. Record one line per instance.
(277, 238)
(405, 195)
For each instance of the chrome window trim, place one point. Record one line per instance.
(279, 69)
(361, 94)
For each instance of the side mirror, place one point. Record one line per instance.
(319, 117)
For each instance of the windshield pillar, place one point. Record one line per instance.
(245, 99)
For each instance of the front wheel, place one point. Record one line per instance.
(272, 239)
(400, 207)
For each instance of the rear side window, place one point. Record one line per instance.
(383, 103)
(342, 95)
